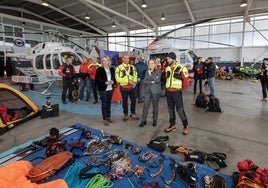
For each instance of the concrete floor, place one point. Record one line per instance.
(240, 131)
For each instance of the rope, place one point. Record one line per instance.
(99, 181)
(72, 176)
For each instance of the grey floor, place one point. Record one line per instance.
(240, 131)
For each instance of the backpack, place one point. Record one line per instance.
(251, 175)
(50, 166)
(201, 100)
(214, 105)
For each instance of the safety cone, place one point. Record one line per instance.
(5, 75)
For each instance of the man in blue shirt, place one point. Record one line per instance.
(141, 68)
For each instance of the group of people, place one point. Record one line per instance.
(139, 81)
(87, 74)
(204, 71)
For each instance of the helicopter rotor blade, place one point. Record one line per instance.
(185, 26)
(198, 40)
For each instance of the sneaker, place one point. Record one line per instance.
(64, 102)
(134, 116)
(185, 130)
(171, 128)
(105, 122)
(87, 99)
(95, 102)
(154, 123)
(125, 118)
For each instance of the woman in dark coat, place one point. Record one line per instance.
(105, 81)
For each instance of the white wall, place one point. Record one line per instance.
(251, 54)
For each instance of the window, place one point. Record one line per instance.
(47, 61)
(55, 61)
(9, 31)
(39, 62)
(18, 32)
(76, 59)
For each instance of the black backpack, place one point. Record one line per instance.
(201, 100)
(214, 104)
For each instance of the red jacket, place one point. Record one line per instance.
(66, 71)
(92, 70)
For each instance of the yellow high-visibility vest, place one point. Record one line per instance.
(174, 78)
(123, 75)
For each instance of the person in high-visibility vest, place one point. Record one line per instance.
(174, 73)
(126, 75)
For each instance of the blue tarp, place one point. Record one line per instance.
(202, 170)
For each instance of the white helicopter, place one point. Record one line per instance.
(45, 58)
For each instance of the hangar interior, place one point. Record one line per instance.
(229, 31)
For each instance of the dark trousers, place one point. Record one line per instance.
(264, 85)
(200, 85)
(132, 95)
(174, 99)
(147, 101)
(94, 90)
(106, 98)
(67, 86)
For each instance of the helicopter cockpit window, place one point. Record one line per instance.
(47, 61)
(76, 59)
(55, 61)
(39, 62)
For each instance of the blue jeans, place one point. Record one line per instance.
(106, 99)
(211, 83)
(84, 83)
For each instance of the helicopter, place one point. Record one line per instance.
(41, 64)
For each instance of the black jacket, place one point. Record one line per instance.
(210, 70)
(101, 78)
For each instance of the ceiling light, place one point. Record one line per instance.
(113, 25)
(87, 17)
(163, 16)
(143, 5)
(244, 3)
(44, 3)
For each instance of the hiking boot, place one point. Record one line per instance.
(105, 122)
(134, 116)
(109, 120)
(171, 128)
(142, 124)
(185, 130)
(125, 118)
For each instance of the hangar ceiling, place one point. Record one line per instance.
(127, 14)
